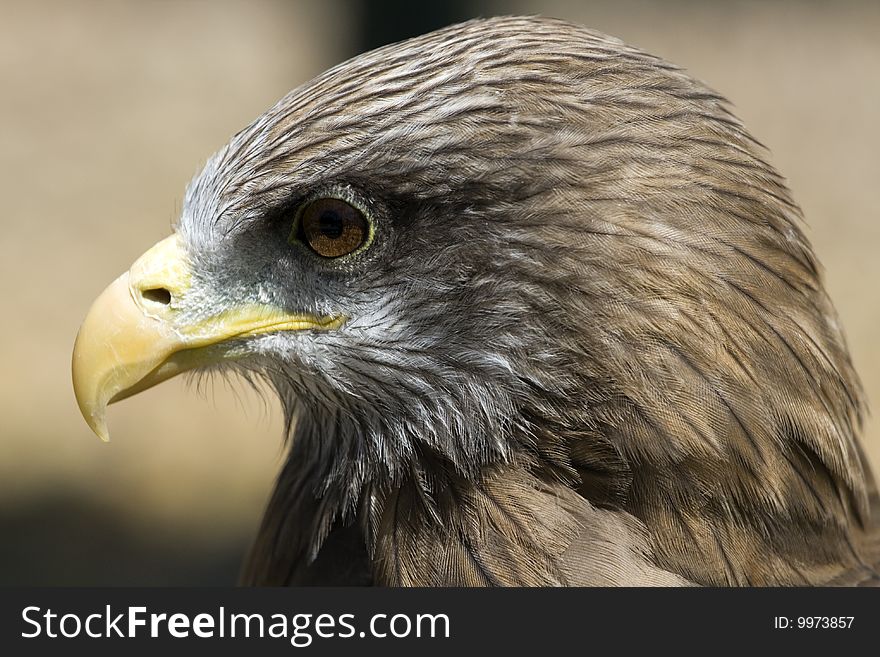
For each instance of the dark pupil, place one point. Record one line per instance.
(330, 224)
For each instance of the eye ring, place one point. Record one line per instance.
(332, 227)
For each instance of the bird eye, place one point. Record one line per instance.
(332, 227)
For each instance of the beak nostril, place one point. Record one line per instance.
(157, 295)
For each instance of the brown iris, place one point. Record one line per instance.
(332, 227)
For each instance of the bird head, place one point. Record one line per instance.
(508, 237)
(390, 246)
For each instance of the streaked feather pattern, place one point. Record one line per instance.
(590, 346)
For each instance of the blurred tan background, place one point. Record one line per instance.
(108, 109)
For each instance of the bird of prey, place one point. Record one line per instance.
(538, 312)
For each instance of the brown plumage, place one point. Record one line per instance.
(587, 344)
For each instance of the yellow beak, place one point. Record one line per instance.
(134, 337)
